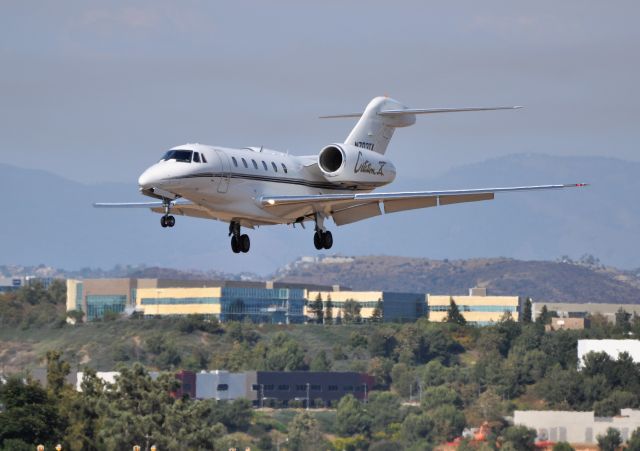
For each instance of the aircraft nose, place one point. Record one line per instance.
(148, 179)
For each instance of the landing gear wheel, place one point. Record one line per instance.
(244, 243)
(327, 240)
(171, 221)
(235, 245)
(317, 240)
(163, 221)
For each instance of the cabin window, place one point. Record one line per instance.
(244, 162)
(275, 168)
(204, 160)
(196, 157)
(255, 165)
(264, 165)
(235, 162)
(284, 168)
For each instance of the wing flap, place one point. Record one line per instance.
(357, 213)
(393, 206)
(460, 198)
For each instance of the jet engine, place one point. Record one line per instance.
(352, 165)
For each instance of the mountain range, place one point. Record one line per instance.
(48, 219)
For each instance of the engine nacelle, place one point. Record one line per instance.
(352, 165)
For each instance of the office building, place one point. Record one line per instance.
(573, 310)
(478, 307)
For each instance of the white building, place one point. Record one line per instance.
(223, 385)
(612, 347)
(576, 427)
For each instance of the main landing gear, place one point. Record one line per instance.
(239, 243)
(167, 220)
(322, 239)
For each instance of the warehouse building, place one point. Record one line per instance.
(613, 348)
(223, 385)
(477, 308)
(569, 310)
(576, 427)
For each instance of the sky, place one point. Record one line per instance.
(97, 91)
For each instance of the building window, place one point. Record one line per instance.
(347, 388)
(255, 387)
(332, 388)
(283, 387)
(316, 387)
(301, 387)
(222, 387)
(235, 162)
(269, 387)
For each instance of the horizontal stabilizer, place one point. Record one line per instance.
(400, 112)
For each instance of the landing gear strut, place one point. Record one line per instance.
(239, 243)
(167, 220)
(322, 239)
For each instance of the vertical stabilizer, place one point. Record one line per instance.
(374, 131)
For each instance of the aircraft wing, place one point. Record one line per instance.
(352, 207)
(178, 207)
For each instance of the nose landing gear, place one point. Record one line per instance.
(167, 220)
(239, 243)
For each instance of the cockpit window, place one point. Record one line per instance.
(204, 160)
(196, 157)
(181, 156)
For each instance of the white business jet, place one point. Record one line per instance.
(254, 186)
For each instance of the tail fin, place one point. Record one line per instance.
(383, 115)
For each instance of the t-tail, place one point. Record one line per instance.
(383, 115)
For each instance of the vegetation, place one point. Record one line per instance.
(432, 380)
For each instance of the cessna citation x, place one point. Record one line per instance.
(253, 186)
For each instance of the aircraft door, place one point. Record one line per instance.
(223, 184)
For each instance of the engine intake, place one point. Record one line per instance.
(352, 166)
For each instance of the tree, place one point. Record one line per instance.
(448, 422)
(316, 309)
(29, 414)
(328, 311)
(562, 446)
(527, 311)
(439, 396)
(610, 441)
(320, 362)
(545, 316)
(352, 418)
(57, 371)
(385, 408)
(520, 438)
(417, 428)
(304, 433)
(623, 320)
(284, 354)
(351, 312)
(634, 441)
(454, 315)
(376, 316)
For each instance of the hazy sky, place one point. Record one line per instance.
(96, 91)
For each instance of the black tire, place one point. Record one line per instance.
(171, 221)
(327, 240)
(317, 241)
(163, 221)
(245, 243)
(235, 246)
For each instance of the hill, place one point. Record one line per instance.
(563, 281)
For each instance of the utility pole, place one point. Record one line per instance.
(308, 385)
